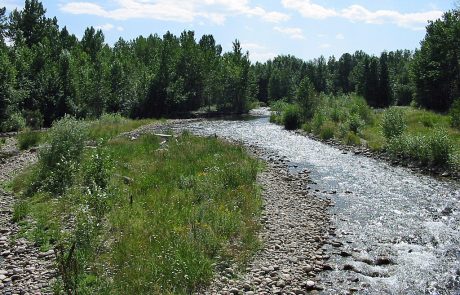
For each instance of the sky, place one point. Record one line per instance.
(266, 28)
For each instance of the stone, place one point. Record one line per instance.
(310, 285)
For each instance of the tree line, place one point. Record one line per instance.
(47, 72)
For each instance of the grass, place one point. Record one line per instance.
(110, 125)
(165, 216)
(29, 138)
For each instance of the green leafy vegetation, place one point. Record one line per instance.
(28, 138)
(393, 123)
(139, 216)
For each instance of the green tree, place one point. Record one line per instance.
(30, 25)
(384, 82)
(7, 75)
(436, 66)
(306, 98)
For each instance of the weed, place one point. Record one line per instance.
(351, 139)
(28, 139)
(327, 130)
(393, 123)
(60, 159)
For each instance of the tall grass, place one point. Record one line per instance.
(138, 217)
(29, 138)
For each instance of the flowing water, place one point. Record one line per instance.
(380, 211)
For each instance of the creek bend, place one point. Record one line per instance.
(398, 231)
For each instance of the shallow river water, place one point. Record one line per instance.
(380, 211)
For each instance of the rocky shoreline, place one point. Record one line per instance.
(295, 227)
(24, 269)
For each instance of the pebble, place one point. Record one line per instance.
(23, 271)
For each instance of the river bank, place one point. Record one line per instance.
(397, 230)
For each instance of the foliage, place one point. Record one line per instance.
(15, 122)
(327, 130)
(455, 114)
(306, 99)
(291, 117)
(59, 161)
(354, 123)
(434, 149)
(393, 123)
(435, 68)
(28, 138)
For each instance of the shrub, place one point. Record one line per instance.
(112, 119)
(306, 127)
(351, 139)
(15, 122)
(455, 114)
(336, 114)
(440, 147)
(354, 123)
(28, 139)
(393, 123)
(58, 162)
(291, 117)
(96, 170)
(318, 120)
(435, 149)
(327, 130)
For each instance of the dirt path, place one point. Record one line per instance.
(23, 268)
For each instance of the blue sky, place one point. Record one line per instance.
(304, 28)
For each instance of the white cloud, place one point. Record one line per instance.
(216, 11)
(105, 27)
(294, 33)
(308, 9)
(358, 13)
(339, 36)
(251, 46)
(418, 20)
(258, 52)
(324, 45)
(108, 27)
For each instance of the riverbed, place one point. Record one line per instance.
(396, 231)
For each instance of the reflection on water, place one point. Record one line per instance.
(380, 210)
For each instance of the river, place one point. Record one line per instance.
(407, 220)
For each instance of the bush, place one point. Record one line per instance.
(306, 127)
(15, 122)
(28, 138)
(58, 162)
(351, 139)
(440, 147)
(455, 114)
(291, 117)
(111, 119)
(327, 130)
(318, 120)
(435, 149)
(393, 122)
(355, 123)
